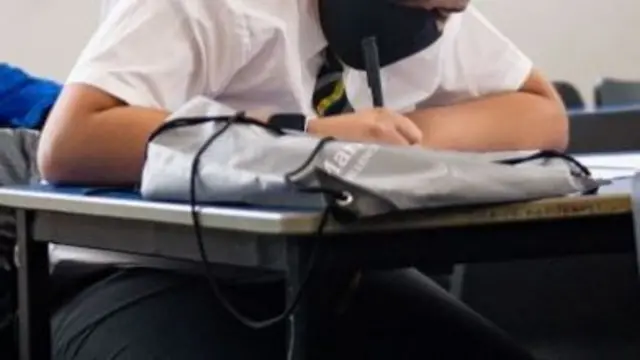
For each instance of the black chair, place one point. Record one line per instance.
(615, 92)
(570, 95)
(605, 130)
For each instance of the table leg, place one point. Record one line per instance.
(33, 297)
(635, 207)
(299, 324)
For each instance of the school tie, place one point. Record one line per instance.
(329, 95)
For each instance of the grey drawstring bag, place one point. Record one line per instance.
(207, 154)
(230, 159)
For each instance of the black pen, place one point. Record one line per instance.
(372, 66)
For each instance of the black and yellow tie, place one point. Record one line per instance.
(329, 95)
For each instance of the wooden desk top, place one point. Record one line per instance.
(611, 200)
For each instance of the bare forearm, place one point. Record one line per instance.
(513, 121)
(108, 149)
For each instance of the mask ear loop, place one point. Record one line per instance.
(247, 321)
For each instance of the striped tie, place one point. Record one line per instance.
(329, 95)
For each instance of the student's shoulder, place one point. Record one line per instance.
(227, 11)
(248, 11)
(226, 21)
(472, 30)
(471, 22)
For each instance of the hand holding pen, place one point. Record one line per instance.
(377, 125)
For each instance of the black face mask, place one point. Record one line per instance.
(400, 31)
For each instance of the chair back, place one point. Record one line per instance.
(570, 95)
(613, 92)
(604, 130)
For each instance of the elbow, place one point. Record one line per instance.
(55, 161)
(53, 169)
(558, 137)
(551, 127)
(547, 126)
(46, 164)
(74, 142)
(562, 142)
(62, 149)
(558, 134)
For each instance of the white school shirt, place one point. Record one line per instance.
(265, 54)
(105, 8)
(250, 54)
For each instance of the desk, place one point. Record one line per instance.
(282, 239)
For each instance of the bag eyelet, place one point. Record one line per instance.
(345, 199)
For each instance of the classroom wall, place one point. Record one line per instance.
(41, 36)
(46, 36)
(576, 40)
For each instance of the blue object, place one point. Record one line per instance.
(607, 110)
(25, 100)
(108, 192)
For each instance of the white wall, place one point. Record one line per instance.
(576, 40)
(45, 36)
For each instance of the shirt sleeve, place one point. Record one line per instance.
(478, 60)
(161, 53)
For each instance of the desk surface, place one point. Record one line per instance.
(611, 200)
(130, 208)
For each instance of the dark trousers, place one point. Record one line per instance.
(148, 314)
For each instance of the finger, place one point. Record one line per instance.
(410, 131)
(388, 134)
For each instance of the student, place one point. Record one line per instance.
(451, 81)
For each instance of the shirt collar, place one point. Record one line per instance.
(311, 38)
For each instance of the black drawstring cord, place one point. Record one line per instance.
(252, 323)
(176, 124)
(334, 197)
(289, 177)
(548, 154)
(552, 154)
(237, 119)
